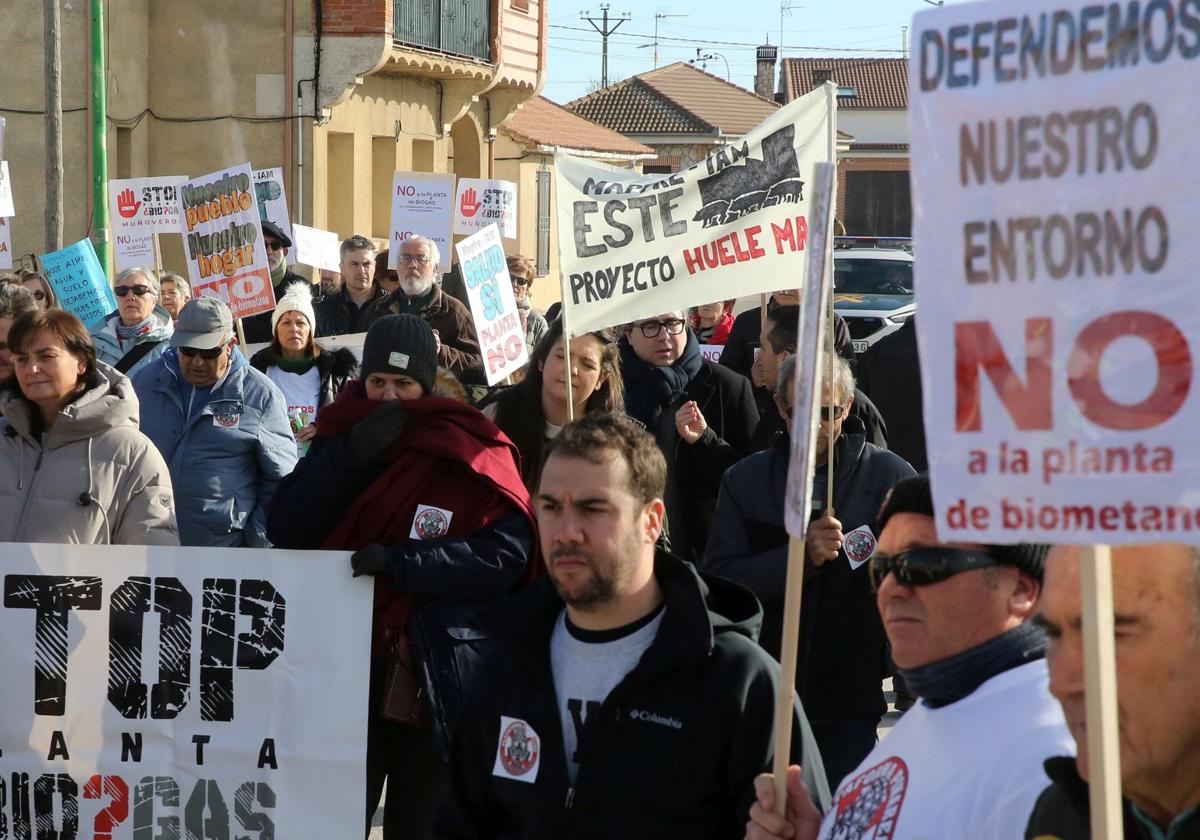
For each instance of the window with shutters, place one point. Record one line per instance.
(543, 222)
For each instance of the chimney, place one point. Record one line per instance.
(764, 76)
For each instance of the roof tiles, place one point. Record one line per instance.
(877, 82)
(543, 122)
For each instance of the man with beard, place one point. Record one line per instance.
(622, 671)
(420, 293)
(257, 328)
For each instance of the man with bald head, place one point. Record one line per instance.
(1156, 605)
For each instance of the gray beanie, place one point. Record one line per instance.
(914, 496)
(401, 344)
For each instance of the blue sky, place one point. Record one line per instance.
(733, 28)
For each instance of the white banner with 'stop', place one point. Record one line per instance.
(735, 224)
(139, 209)
(181, 692)
(1054, 198)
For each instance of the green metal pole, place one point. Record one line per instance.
(99, 138)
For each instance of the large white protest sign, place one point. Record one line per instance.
(140, 208)
(217, 691)
(6, 257)
(7, 210)
(480, 202)
(493, 306)
(634, 245)
(272, 200)
(226, 256)
(422, 205)
(1054, 197)
(318, 248)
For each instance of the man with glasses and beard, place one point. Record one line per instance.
(221, 426)
(966, 761)
(257, 328)
(420, 293)
(702, 416)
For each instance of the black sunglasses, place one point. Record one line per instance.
(139, 290)
(828, 412)
(208, 354)
(927, 565)
(518, 280)
(273, 244)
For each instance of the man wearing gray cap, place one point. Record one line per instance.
(221, 426)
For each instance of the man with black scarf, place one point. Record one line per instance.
(967, 760)
(703, 417)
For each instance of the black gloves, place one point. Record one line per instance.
(371, 560)
(376, 432)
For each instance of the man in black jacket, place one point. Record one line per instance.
(1156, 599)
(624, 695)
(347, 310)
(257, 328)
(843, 651)
(702, 415)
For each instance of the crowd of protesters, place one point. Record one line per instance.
(622, 576)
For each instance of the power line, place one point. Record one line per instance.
(604, 31)
(714, 42)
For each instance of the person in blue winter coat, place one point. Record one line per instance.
(140, 329)
(221, 426)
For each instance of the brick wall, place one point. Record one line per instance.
(891, 164)
(356, 17)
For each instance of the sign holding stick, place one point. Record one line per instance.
(493, 307)
(226, 255)
(806, 401)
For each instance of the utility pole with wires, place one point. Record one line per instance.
(657, 18)
(52, 44)
(604, 31)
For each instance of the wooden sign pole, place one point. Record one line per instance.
(1100, 674)
(157, 254)
(790, 643)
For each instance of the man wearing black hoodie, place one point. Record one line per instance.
(623, 695)
(843, 653)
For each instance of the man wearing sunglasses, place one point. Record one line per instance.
(138, 331)
(842, 661)
(702, 415)
(221, 426)
(967, 760)
(257, 328)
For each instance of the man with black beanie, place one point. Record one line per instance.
(966, 761)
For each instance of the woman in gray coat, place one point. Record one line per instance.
(73, 466)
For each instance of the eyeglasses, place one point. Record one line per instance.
(139, 290)
(830, 412)
(651, 329)
(273, 244)
(207, 355)
(419, 259)
(927, 565)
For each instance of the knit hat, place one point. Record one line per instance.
(914, 496)
(297, 298)
(401, 344)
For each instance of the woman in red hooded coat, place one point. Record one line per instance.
(428, 494)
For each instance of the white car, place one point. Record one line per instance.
(873, 289)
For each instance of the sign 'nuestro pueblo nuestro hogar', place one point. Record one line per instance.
(1055, 195)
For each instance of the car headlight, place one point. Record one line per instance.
(901, 317)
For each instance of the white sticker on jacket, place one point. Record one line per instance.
(519, 753)
(860, 546)
(430, 522)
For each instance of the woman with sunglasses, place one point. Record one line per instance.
(140, 330)
(520, 273)
(40, 288)
(533, 411)
(74, 468)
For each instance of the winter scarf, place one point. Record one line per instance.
(651, 388)
(950, 680)
(125, 333)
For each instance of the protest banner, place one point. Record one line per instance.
(6, 257)
(806, 402)
(481, 201)
(1051, 205)
(422, 204)
(712, 352)
(272, 199)
(317, 248)
(182, 692)
(140, 208)
(634, 245)
(493, 306)
(79, 282)
(7, 211)
(226, 256)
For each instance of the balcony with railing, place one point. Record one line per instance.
(456, 27)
